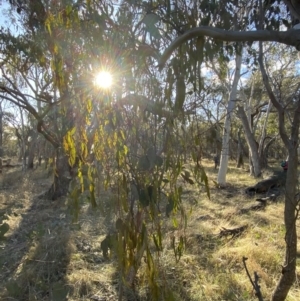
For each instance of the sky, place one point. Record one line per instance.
(2, 13)
(4, 20)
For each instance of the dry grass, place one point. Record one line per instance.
(47, 257)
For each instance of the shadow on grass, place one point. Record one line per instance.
(213, 278)
(168, 284)
(36, 252)
(36, 257)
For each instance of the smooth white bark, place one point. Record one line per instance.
(227, 126)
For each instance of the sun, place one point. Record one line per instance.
(103, 80)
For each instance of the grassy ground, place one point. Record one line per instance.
(45, 256)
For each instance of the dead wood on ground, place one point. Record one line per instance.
(233, 232)
(267, 185)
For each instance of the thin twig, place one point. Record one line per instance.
(254, 283)
(44, 261)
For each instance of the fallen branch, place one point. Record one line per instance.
(269, 186)
(261, 206)
(233, 232)
(254, 283)
(10, 165)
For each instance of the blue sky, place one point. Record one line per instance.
(4, 20)
(2, 15)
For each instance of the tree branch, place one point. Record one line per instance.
(27, 106)
(272, 97)
(290, 37)
(295, 125)
(294, 7)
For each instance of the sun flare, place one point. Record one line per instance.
(103, 80)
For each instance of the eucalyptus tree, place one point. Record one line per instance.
(248, 112)
(48, 43)
(54, 39)
(7, 133)
(10, 143)
(281, 62)
(192, 54)
(267, 24)
(229, 115)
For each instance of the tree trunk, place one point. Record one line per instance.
(288, 273)
(31, 150)
(226, 132)
(23, 142)
(265, 152)
(1, 131)
(249, 118)
(62, 176)
(251, 142)
(263, 136)
(240, 159)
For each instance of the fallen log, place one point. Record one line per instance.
(233, 232)
(10, 165)
(268, 184)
